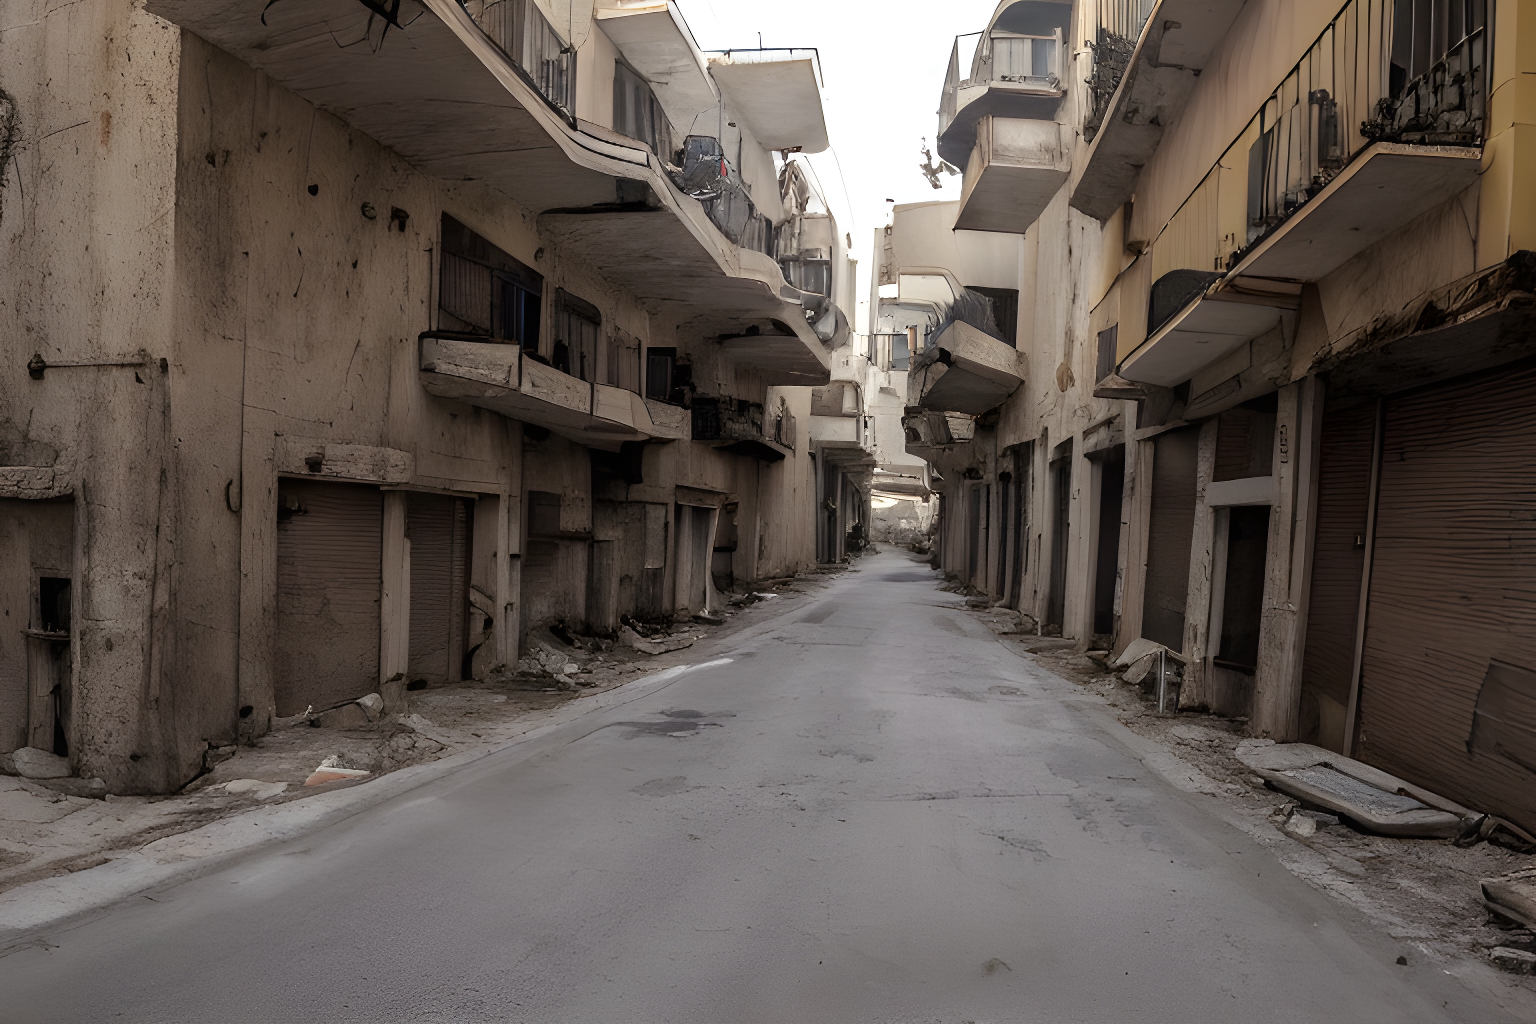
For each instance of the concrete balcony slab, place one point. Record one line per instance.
(504, 379)
(1015, 170)
(964, 371)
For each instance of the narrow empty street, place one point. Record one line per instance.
(874, 811)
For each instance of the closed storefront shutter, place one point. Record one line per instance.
(438, 528)
(1342, 511)
(1169, 536)
(1446, 696)
(328, 585)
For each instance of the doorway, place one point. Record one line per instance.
(1061, 504)
(1107, 556)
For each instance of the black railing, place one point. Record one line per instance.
(1120, 24)
(520, 29)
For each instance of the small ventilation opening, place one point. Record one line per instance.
(53, 603)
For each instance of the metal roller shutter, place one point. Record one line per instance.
(438, 528)
(1451, 627)
(1337, 563)
(1170, 534)
(328, 585)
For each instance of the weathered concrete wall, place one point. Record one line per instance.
(87, 190)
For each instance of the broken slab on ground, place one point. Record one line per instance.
(1367, 796)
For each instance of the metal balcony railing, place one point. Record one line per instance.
(999, 58)
(1411, 71)
(1120, 24)
(520, 29)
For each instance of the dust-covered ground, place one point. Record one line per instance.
(1424, 891)
(46, 829)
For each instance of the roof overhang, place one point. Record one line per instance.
(1202, 332)
(1380, 191)
(655, 41)
(780, 99)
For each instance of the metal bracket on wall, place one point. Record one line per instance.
(37, 365)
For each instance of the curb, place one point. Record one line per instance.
(66, 899)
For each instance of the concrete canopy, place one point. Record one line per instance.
(656, 42)
(780, 99)
(1197, 336)
(967, 372)
(1380, 191)
(448, 100)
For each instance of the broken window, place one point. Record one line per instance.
(1109, 344)
(484, 291)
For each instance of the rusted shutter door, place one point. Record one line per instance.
(328, 584)
(1452, 615)
(1169, 536)
(1343, 496)
(437, 526)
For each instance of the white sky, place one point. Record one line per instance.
(884, 64)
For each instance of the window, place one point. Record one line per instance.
(901, 349)
(484, 291)
(1109, 344)
(621, 361)
(578, 324)
(1005, 311)
(637, 114)
(660, 368)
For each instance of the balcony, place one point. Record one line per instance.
(1334, 162)
(1015, 170)
(742, 428)
(1013, 70)
(478, 91)
(964, 371)
(930, 433)
(504, 379)
(1143, 73)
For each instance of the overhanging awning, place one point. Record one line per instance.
(780, 99)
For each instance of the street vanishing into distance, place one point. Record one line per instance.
(869, 810)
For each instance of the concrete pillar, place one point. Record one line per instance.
(1137, 504)
(395, 596)
(506, 632)
(1277, 685)
(1203, 567)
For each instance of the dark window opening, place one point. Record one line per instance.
(1060, 511)
(660, 370)
(1424, 31)
(637, 114)
(484, 291)
(1243, 597)
(1109, 344)
(1005, 311)
(578, 327)
(543, 514)
(53, 603)
(901, 350)
(1107, 560)
(1245, 441)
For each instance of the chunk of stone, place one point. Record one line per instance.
(1511, 959)
(372, 705)
(32, 763)
(348, 716)
(218, 754)
(325, 774)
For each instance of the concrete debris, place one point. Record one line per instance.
(978, 602)
(659, 646)
(1367, 796)
(325, 774)
(372, 705)
(570, 668)
(393, 693)
(1510, 959)
(1135, 651)
(1140, 668)
(255, 787)
(348, 716)
(709, 619)
(1513, 895)
(32, 763)
(218, 754)
(1303, 824)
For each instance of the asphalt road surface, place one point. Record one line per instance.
(873, 812)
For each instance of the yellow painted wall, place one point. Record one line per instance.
(1507, 214)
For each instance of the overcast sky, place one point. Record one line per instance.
(884, 64)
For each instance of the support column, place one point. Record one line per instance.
(1277, 684)
(506, 633)
(395, 598)
(1137, 505)
(1202, 547)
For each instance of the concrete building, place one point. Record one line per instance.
(349, 341)
(1272, 365)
